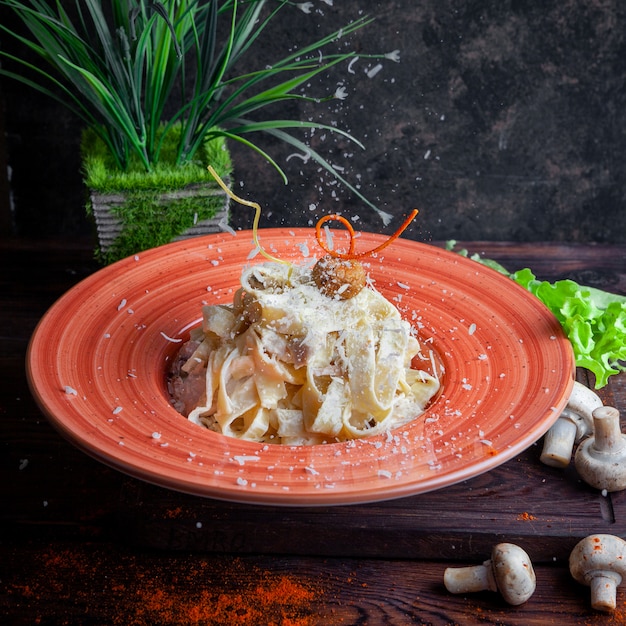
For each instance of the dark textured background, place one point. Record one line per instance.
(503, 120)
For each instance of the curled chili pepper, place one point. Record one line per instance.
(351, 254)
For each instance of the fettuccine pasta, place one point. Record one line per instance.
(287, 364)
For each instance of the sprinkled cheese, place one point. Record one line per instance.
(242, 459)
(172, 339)
(371, 73)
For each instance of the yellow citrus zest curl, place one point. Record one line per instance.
(351, 254)
(257, 215)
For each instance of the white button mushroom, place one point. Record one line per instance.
(599, 561)
(601, 459)
(509, 571)
(574, 423)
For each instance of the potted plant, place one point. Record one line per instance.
(156, 87)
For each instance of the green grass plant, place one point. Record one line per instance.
(101, 174)
(135, 70)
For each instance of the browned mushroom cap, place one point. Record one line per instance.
(339, 278)
(599, 561)
(509, 571)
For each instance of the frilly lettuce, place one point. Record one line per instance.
(593, 320)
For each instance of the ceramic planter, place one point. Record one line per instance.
(190, 212)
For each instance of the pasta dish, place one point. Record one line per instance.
(298, 362)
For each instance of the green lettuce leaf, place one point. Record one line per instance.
(593, 320)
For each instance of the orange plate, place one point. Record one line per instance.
(96, 365)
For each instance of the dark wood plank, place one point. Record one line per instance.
(89, 584)
(602, 266)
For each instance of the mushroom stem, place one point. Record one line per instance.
(608, 432)
(574, 423)
(470, 579)
(558, 443)
(604, 591)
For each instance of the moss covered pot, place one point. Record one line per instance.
(135, 210)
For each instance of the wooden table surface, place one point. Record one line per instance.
(83, 544)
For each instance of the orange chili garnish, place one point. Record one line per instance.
(351, 254)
